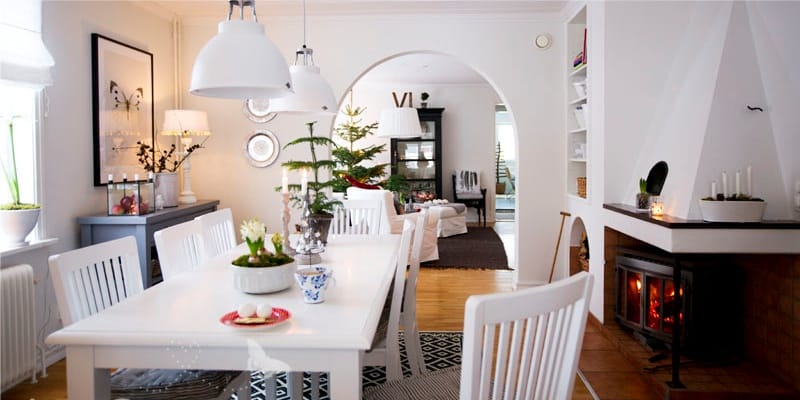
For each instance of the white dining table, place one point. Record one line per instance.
(176, 324)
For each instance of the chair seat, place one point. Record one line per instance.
(157, 384)
(438, 385)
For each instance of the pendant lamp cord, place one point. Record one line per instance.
(304, 23)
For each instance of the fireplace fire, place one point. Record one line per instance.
(646, 302)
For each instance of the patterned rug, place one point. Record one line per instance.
(478, 248)
(440, 350)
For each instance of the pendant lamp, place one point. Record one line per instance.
(240, 62)
(312, 94)
(400, 121)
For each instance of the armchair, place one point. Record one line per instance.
(391, 222)
(467, 190)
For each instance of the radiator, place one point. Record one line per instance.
(17, 324)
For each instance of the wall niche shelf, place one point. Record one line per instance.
(577, 125)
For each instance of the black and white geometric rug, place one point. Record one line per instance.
(440, 350)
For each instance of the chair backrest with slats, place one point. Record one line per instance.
(534, 335)
(357, 217)
(93, 278)
(180, 248)
(217, 231)
(393, 368)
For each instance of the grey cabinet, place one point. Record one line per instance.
(102, 228)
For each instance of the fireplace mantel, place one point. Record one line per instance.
(677, 235)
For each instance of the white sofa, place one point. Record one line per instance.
(391, 222)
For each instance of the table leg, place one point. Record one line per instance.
(345, 380)
(84, 381)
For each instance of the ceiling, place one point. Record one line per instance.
(219, 8)
(418, 68)
(422, 68)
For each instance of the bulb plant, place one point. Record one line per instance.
(253, 232)
(9, 166)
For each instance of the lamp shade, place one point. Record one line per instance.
(240, 62)
(312, 94)
(185, 122)
(399, 123)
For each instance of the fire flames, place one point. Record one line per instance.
(655, 320)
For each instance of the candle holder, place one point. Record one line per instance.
(656, 206)
(309, 245)
(287, 247)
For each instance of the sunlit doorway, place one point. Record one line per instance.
(505, 165)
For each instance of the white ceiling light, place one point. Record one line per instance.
(402, 122)
(240, 62)
(312, 94)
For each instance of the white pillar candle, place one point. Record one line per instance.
(285, 181)
(713, 189)
(749, 181)
(725, 184)
(738, 182)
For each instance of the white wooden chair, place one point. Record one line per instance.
(91, 279)
(180, 248)
(408, 317)
(217, 232)
(534, 336)
(385, 349)
(357, 217)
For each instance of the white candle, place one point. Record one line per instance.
(124, 176)
(135, 177)
(304, 183)
(749, 181)
(725, 184)
(111, 177)
(738, 182)
(285, 181)
(713, 189)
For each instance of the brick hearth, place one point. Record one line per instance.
(769, 366)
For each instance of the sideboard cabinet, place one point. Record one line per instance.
(102, 228)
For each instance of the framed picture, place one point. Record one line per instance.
(122, 104)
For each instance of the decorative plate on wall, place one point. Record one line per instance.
(261, 148)
(258, 110)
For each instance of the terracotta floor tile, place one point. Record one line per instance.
(620, 385)
(597, 341)
(604, 360)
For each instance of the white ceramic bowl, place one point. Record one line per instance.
(732, 211)
(263, 279)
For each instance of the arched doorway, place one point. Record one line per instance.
(468, 121)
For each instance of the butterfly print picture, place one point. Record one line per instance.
(123, 102)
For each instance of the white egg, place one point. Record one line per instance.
(264, 310)
(246, 310)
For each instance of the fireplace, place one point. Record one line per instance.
(709, 312)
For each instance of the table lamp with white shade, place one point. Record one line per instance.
(186, 124)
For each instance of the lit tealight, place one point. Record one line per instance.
(656, 206)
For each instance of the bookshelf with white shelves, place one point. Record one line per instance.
(578, 106)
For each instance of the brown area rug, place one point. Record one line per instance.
(478, 248)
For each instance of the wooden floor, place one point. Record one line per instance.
(440, 307)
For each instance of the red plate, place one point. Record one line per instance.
(279, 316)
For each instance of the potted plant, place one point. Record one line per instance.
(349, 159)
(500, 164)
(643, 198)
(424, 96)
(319, 205)
(17, 219)
(262, 271)
(165, 169)
(399, 186)
(737, 207)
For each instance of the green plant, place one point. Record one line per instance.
(318, 200)
(348, 158)
(424, 96)
(642, 185)
(499, 163)
(397, 183)
(164, 163)
(253, 232)
(10, 173)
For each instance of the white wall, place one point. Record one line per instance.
(67, 168)
(468, 127)
(501, 49)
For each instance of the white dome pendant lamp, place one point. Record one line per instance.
(312, 94)
(240, 62)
